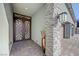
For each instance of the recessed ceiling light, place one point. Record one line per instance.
(26, 8)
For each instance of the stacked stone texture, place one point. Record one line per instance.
(48, 29)
(53, 35)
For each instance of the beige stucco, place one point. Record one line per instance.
(6, 29)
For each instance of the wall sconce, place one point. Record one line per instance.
(63, 17)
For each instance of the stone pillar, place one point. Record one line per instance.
(57, 37)
(48, 29)
(52, 34)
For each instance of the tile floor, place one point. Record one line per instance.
(26, 48)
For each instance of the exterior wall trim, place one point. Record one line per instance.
(70, 9)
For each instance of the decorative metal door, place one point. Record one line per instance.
(27, 29)
(22, 28)
(18, 30)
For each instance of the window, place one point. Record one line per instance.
(72, 31)
(66, 30)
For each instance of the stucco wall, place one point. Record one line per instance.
(6, 29)
(4, 32)
(37, 24)
(9, 15)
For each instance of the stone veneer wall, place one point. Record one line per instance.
(54, 29)
(57, 37)
(58, 31)
(48, 29)
(63, 46)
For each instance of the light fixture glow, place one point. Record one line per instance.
(26, 8)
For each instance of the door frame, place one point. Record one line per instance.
(23, 18)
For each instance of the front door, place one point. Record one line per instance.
(22, 28)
